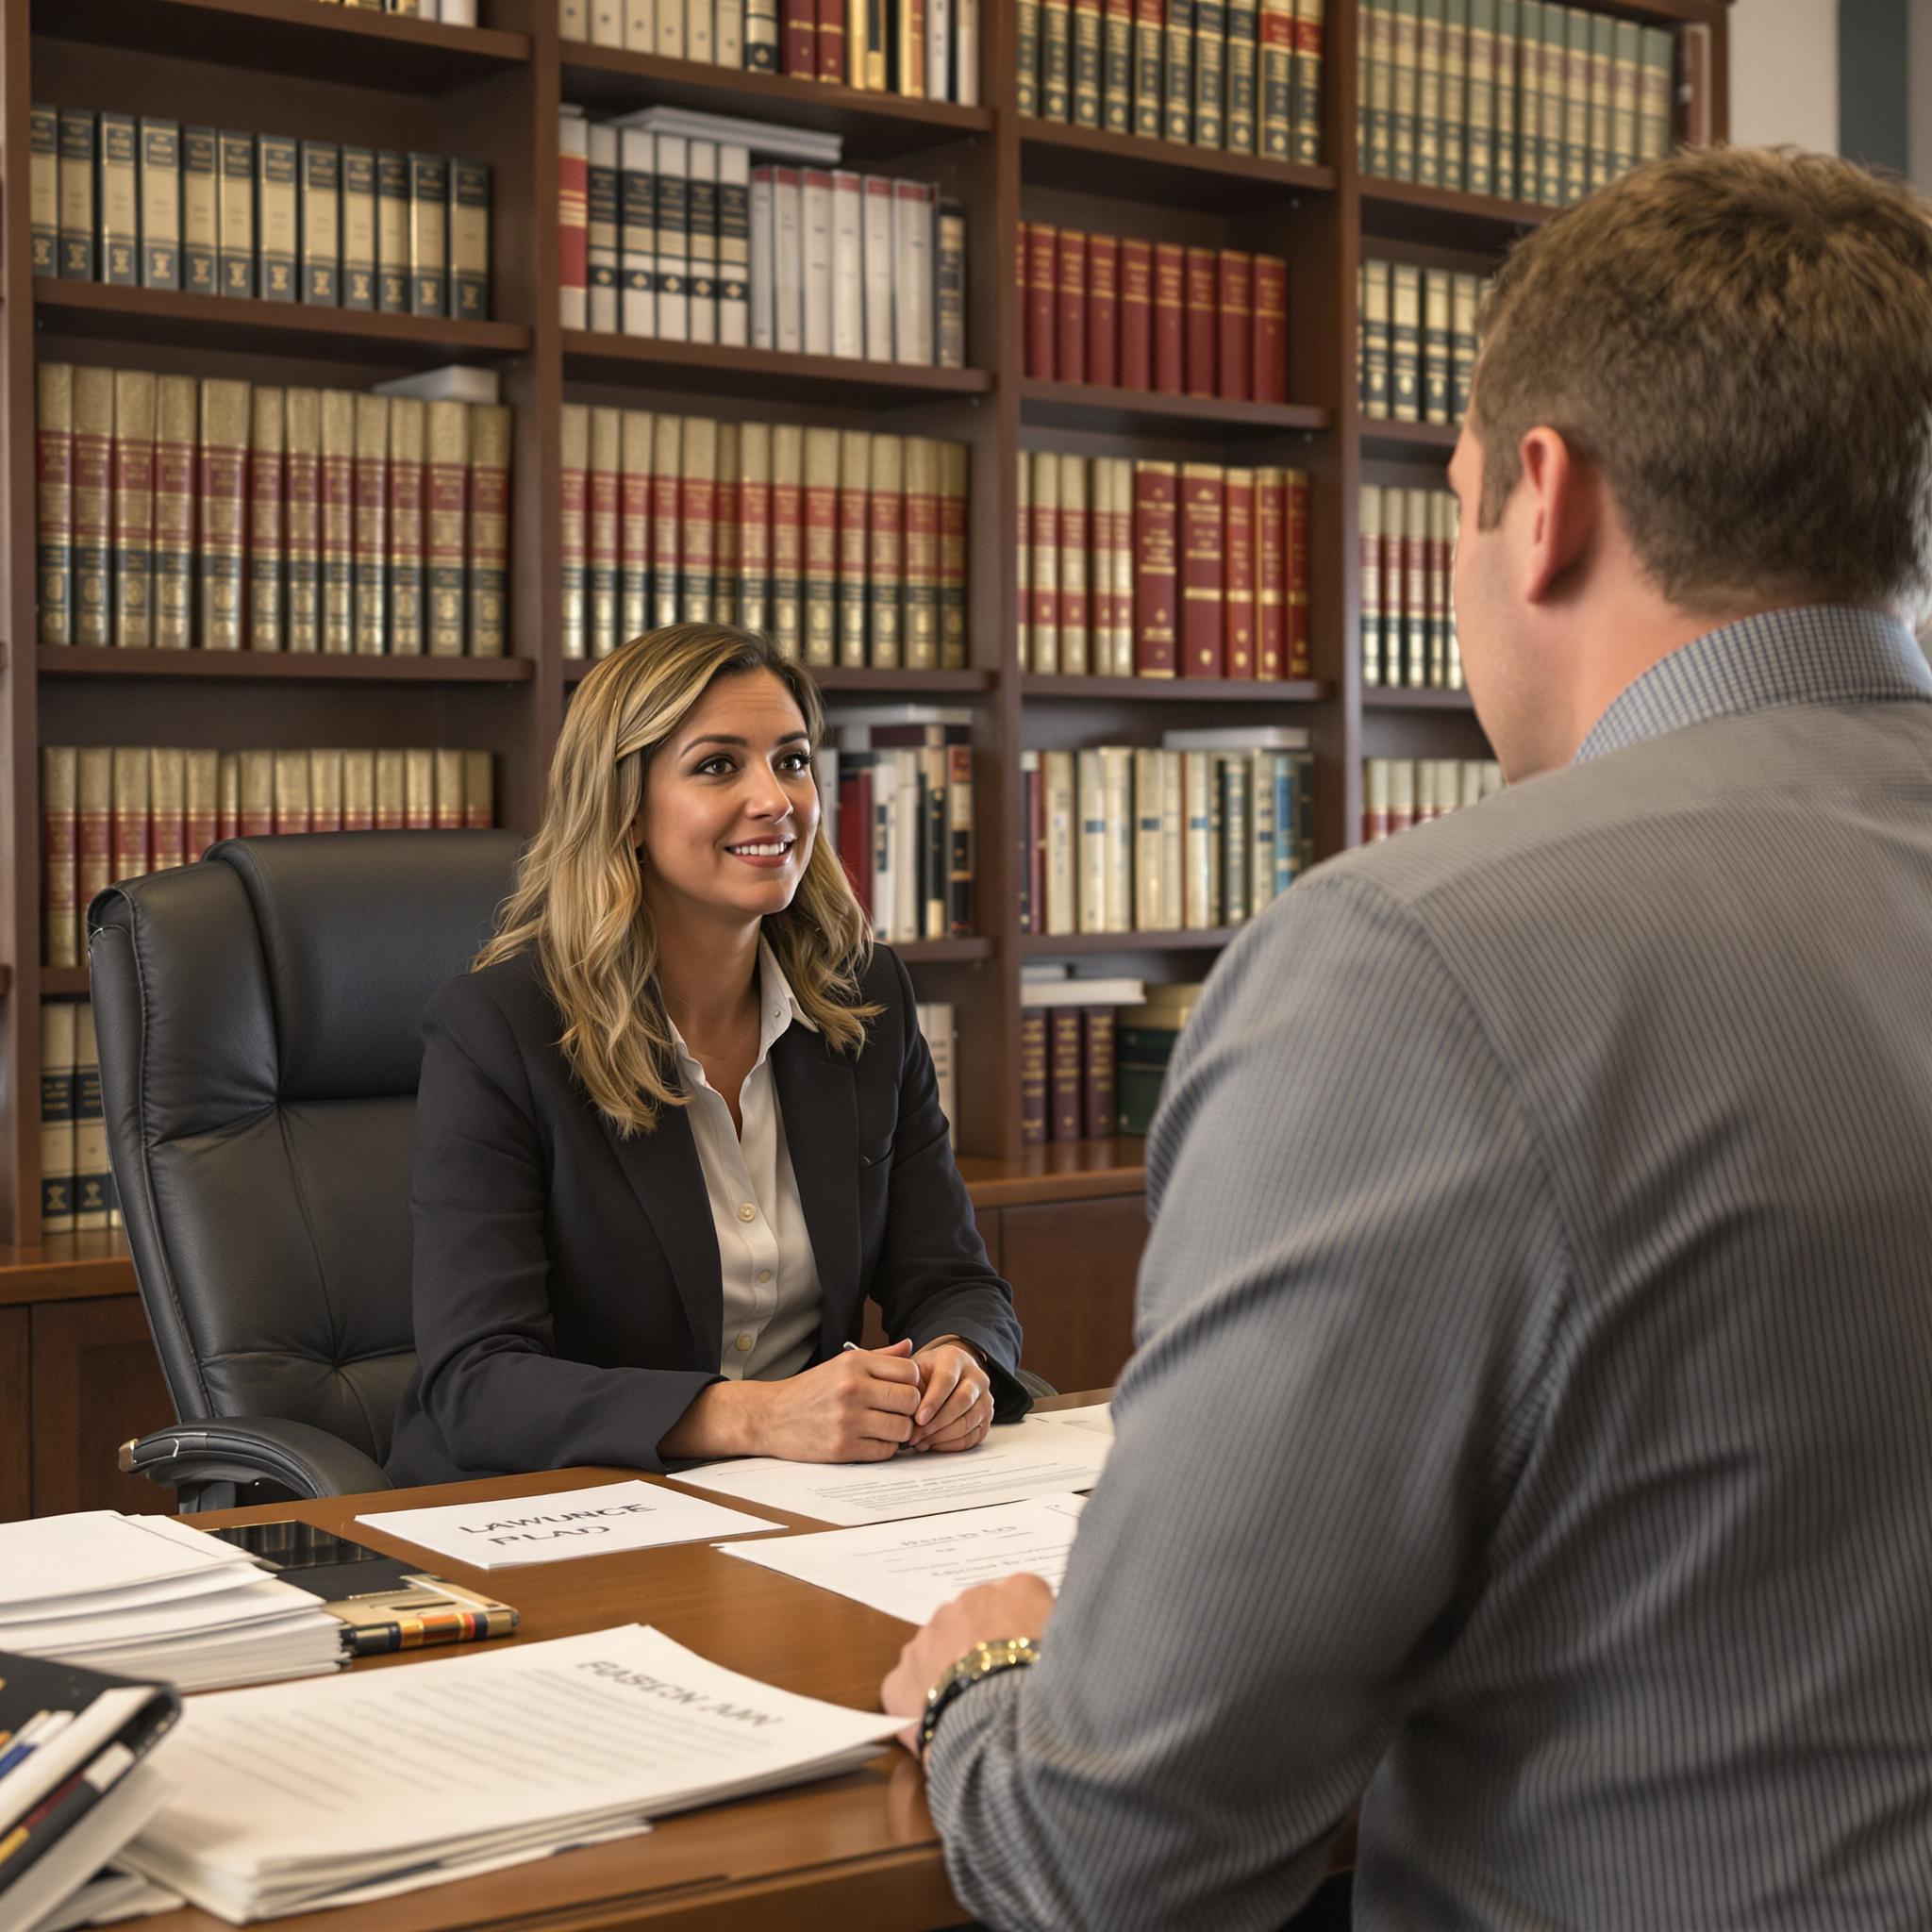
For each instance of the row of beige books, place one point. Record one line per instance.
(76, 1184)
(177, 513)
(1415, 342)
(1401, 793)
(1156, 569)
(670, 234)
(923, 49)
(111, 812)
(1244, 75)
(1520, 99)
(1407, 606)
(450, 13)
(848, 547)
(1192, 835)
(139, 201)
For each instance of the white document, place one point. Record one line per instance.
(49, 1563)
(294, 1793)
(1033, 1458)
(1097, 1415)
(910, 1574)
(570, 1522)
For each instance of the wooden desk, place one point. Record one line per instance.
(854, 1851)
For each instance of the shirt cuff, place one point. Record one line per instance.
(967, 1725)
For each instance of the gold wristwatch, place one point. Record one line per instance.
(982, 1660)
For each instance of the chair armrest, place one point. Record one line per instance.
(252, 1449)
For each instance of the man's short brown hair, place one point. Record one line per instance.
(1741, 340)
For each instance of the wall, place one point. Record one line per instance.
(1784, 73)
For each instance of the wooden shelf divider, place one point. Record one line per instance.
(1165, 691)
(1130, 411)
(168, 316)
(874, 126)
(1394, 697)
(297, 667)
(1040, 946)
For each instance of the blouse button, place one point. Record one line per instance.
(743, 1344)
(747, 1212)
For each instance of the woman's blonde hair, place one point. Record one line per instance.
(578, 898)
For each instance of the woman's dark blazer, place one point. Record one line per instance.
(568, 1300)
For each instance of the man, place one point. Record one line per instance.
(1531, 1431)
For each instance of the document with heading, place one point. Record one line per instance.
(570, 1522)
(1033, 1458)
(910, 1572)
(292, 1795)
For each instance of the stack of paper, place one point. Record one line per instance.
(301, 1796)
(147, 1597)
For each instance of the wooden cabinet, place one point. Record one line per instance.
(1073, 1265)
(97, 1381)
(16, 1463)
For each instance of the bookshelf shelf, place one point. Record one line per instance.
(1135, 411)
(300, 38)
(1406, 212)
(1395, 698)
(760, 374)
(875, 126)
(166, 317)
(58, 980)
(1393, 441)
(1060, 1171)
(80, 660)
(937, 952)
(1167, 690)
(1040, 946)
(837, 679)
(1093, 161)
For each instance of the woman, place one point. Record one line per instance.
(679, 1121)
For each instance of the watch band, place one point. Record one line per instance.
(982, 1661)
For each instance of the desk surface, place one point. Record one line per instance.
(855, 1851)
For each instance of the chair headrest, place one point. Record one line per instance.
(352, 932)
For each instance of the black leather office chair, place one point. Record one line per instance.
(258, 1019)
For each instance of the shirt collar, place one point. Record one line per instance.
(779, 1008)
(1813, 653)
(778, 1004)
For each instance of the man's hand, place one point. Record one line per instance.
(955, 1405)
(1015, 1606)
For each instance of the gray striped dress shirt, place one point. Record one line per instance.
(1531, 1428)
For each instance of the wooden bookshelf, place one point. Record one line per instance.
(325, 71)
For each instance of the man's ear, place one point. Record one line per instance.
(1563, 503)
